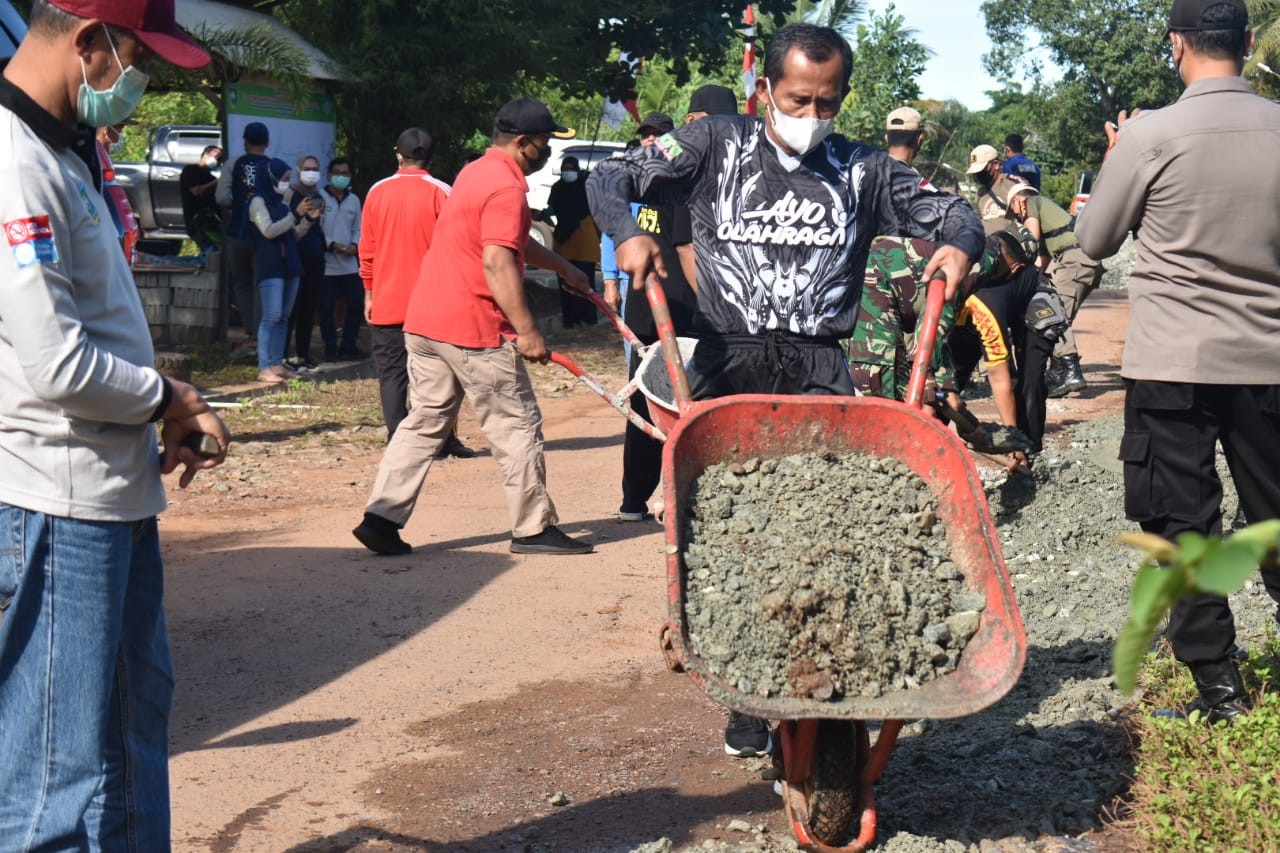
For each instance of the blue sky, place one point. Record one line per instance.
(955, 31)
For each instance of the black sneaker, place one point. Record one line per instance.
(747, 737)
(381, 536)
(550, 541)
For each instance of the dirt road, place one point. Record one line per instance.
(328, 699)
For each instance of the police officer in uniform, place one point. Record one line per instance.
(1200, 363)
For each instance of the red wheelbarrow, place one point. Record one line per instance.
(828, 764)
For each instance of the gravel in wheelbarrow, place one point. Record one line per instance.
(822, 575)
(942, 554)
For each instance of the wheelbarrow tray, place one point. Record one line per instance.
(740, 427)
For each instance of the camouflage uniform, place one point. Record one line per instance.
(883, 345)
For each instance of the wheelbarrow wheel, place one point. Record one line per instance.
(833, 797)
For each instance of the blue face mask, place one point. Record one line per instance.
(103, 109)
(340, 182)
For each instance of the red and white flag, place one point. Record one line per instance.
(749, 62)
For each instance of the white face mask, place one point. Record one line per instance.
(309, 177)
(801, 135)
(569, 176)
(282, 187)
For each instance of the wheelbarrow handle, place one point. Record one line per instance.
(607, 309)
(670, 344)
(925, 342)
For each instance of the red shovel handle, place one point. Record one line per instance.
(928, 336)
(670, 344)
(607, 309)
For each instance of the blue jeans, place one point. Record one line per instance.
(85, 685)
(273, 330)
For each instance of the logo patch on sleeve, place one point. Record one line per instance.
(31, 240)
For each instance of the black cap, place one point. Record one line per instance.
(256, 133)
(714, 100)
(415, 144)
(660, 122)
(530, 117)
(1188, 16)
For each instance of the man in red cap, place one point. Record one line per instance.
(85, 674)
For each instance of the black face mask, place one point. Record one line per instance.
(544, 155)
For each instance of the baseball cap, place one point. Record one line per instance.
(660, 122)
(1013, 189)
(903, 118)
(256, 133)
(1188, 15)
(530, 117)
(979, 158)
(714, 101)
(415, 144)
(152, 22)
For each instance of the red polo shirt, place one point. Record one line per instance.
(452, 301)
(399, 220)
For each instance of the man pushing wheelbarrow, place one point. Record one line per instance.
(783, 214)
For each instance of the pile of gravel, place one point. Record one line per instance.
(822, 576)
(1118, 266)
(1039, 768)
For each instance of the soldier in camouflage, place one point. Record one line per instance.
(882, 345)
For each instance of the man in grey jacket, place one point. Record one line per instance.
(85, 674)
(1200, 364)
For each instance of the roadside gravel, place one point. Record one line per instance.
(1038, 769)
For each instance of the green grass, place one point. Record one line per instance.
(1198, 788)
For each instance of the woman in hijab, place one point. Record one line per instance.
(311, 247)
(275, 242)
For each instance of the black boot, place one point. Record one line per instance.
(1053, 373)
(1222, 693)
(1072, 379)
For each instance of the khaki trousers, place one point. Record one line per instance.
(1075, 275)
(498, 384)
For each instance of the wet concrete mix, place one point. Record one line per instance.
(822, 576)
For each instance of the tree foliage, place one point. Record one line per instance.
(1112, 54)
(1116, 48)
(888, 60)
(1264, 17)
(447, 65)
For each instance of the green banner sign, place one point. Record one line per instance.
(259, 101)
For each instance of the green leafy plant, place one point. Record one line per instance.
(1201, 788)
(1169, 572)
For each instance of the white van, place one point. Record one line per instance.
(589, 153)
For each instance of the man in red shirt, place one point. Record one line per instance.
(399, 219)
(467, 327)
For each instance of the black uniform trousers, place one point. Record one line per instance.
(1032, 351)
(392, 362)
(641, 453)
(1171, 433)
(770, 363)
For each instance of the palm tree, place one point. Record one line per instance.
(1264, 15)
(235, 52)
(841, 15)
